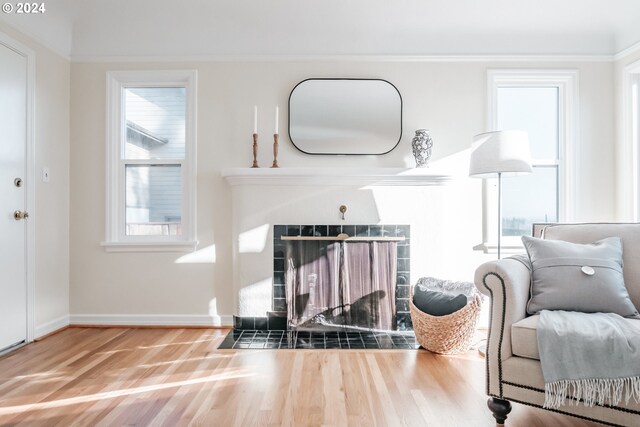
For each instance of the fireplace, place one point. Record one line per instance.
(325, 282)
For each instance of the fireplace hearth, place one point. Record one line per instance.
(281, 339)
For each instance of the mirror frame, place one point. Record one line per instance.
(344, 154)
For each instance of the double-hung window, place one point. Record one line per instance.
(151, 144)
(629, 159)
(542, 103)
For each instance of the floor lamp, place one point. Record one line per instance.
(499, 153)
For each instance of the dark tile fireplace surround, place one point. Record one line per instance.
(277, 319)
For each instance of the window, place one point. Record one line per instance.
(531, 198)
(151, 160)
(629, 159)
(542, 104)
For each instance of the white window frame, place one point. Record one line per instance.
(629, 159)
(567, 83)
(116, 240)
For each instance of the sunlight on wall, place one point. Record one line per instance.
(213, 312)
(254, 240)
(456, 164)
(255, 299)
(396, 205)
(206, 255)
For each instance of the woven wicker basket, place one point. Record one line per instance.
(448, 334)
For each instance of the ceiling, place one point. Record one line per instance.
(91, 29)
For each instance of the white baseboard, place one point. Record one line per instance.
(52, 326)
(151, 319)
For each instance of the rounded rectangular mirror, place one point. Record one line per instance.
(345, 116)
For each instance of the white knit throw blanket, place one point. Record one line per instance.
(593, 358)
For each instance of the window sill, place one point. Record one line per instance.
(492, 248)
(149, 246)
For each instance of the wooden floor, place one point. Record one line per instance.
(119, 376)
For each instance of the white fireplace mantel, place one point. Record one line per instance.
(434, 202)
(335, 176)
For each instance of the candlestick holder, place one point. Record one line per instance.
(275, 151)
(255, 151)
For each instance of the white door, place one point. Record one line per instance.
(13, 145)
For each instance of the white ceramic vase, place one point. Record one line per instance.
(422, 145)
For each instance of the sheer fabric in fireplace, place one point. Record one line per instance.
(341, 285)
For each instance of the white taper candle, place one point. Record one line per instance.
(277, 111)
(255, 119)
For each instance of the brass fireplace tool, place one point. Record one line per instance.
(255, 151)
(275, 151)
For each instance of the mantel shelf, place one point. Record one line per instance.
(344, 238)
(335, 176)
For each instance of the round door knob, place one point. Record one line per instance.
(18, 215)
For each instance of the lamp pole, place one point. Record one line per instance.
(499, 211)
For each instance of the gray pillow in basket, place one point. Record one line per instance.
(437, 303)
(578, 277)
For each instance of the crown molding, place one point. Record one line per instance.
(341, 58)
(628, 51)
(38, 40)
(68, 55)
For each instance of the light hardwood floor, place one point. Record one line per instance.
(120, 376)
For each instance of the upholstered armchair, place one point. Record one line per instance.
(513, 370)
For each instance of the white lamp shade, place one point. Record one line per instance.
(505, 151)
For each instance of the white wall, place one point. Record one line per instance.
(51, 216)
(449, 98)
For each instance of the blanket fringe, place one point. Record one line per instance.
(601, 391)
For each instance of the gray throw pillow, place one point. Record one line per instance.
(576, 277)
(437, 303)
